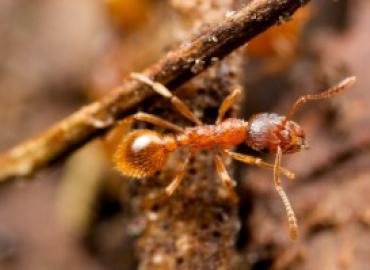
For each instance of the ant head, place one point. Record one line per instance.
(141, 153)
(292, 137)
(268, 131)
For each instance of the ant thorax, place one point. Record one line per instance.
(267, 131)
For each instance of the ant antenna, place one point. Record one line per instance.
(341, 86)
(292, 220)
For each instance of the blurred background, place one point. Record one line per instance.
(56, 56)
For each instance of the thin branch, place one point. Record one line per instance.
(175, 68)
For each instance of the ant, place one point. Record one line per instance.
(143, 152)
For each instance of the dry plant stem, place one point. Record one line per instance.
(175, 68)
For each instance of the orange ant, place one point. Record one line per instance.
(144, 152)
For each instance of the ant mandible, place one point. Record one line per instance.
(143, 152)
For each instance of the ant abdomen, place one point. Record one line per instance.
(141, 153)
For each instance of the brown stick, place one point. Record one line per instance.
(175, 68)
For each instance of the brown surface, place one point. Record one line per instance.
(198, 228)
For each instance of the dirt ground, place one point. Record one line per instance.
(56, 56)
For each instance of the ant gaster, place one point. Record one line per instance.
(143, 152)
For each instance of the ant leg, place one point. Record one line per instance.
(293, 226)
(170, 189)
(225, 178)
(227, 103)
(251, 160)
(180, 106)
(152, 119)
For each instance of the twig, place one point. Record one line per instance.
(175, 68)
